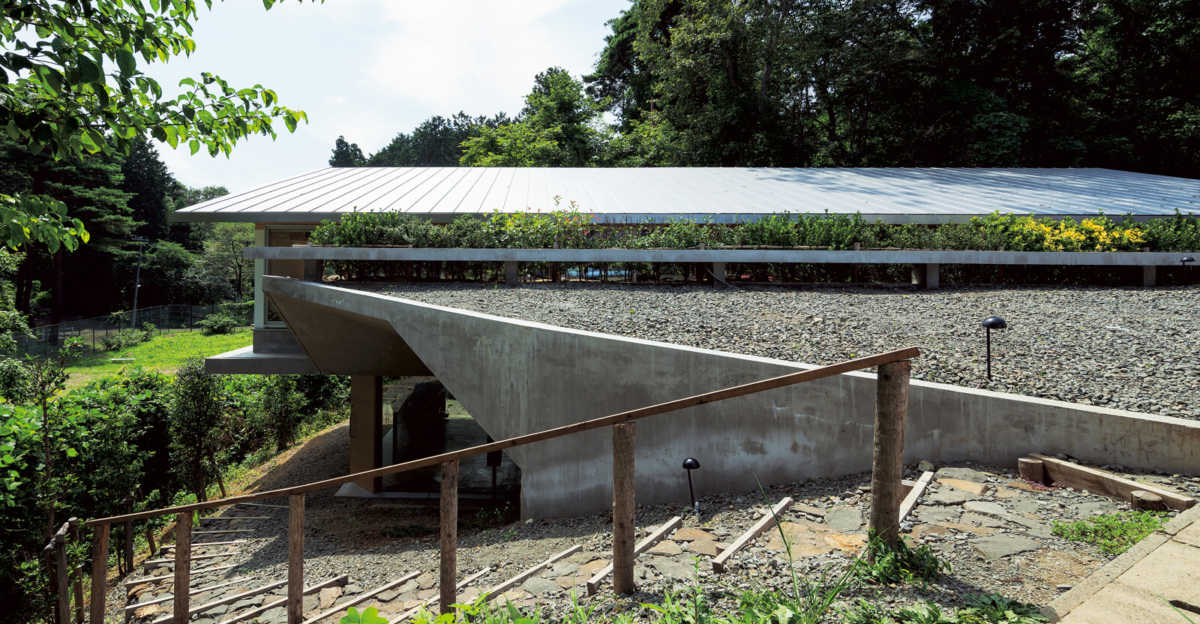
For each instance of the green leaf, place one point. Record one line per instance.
(89, 71)
(126, 62)
(194, 146)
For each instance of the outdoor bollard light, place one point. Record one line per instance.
(990, 323)
(689, 465)
(1186, 260)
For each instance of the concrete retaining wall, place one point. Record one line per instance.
(519, 377)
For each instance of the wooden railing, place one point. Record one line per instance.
(891, 408)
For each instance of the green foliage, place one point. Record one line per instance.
(282, 405)
(902, 564)
(346, 154)
(218, 324)
(195, 416)
(370, 615)
(124, 339)
(1113, 533)
(981, 609)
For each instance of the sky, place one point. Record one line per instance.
(369, 69)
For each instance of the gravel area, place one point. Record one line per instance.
(1126, 348)
(993, 530)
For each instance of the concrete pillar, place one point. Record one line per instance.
(718, 273)
(927, 276)
(512, 275)
(314, 270)
(366, 427)
(1149, 275)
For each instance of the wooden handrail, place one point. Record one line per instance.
(557, 432)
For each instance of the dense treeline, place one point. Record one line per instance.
(140, 440)
(1047, 83)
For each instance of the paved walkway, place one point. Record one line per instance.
(1142, 584)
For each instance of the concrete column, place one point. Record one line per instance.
(512, 274)
(314, 270)
(1149, 276)
(927, 276)
(718, 273)
(366, 427)
(260, 267)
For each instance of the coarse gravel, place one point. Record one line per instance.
(1126, 348)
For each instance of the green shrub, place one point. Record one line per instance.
(218, 324)
(282, 404)
(124, 339)
(901, 564)
(1113, 533)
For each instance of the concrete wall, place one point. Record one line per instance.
(519, 377)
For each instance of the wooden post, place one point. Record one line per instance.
(183, 566)
(1032, 470)
(62, 589)
(295, 594)
(99, 573)
(512, 273)
(128, 545)
(891, 407)
(623, 507)
(449, 535)
(366, 427)
(150, 539)
(78, 584)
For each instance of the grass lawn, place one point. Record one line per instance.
(161, 353)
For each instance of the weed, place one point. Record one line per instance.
(995, 609)
(901, 564)
(982, 609)
(1113, 533)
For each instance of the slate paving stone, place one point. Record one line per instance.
(964, 485)
(806, 539)
(982, 520)
(673, 568)
(844, 519)
(939, 513)
(967, 528)
(540, 587)
(947, 496)
(998, 546)
(687, 534)
(963, 473)
(593, 566)
(704, 547)
(665, 547)
(564, 567)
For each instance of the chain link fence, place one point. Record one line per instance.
(46, 339)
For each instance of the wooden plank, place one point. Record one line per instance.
(548, 434)
(199, 590)
(226, 600)
(887, 467)
(762, 524)
(196, 545)
(79, 574)
(448, 532)
(338, 609)
(62, 587)
(127, 543)
(623, 507)
(221, 531)
(295, 570)
(183, 555)
(1106, 483)
(155, 579)
(263, 505)
(99, 573)
(432, 599)
(337, 580)
(156, 563)
(1141, 500)
(499, 589)
(656, 536)
(914, 494)
(232, 518)
(1032, 470)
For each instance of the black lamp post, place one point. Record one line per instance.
(990, 323)
(1184, 261)
(689, 465)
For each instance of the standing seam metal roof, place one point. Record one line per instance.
(724, 195)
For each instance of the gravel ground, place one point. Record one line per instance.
(992, 529)
(1127, 348)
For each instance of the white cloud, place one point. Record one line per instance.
(371, 68)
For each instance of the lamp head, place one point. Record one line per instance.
(1186, 260)
(691, 463)
(994, 322)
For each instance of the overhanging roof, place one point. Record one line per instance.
(724, 195)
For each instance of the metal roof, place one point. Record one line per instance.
(724, 195)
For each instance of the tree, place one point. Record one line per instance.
(223, 256)
(557, 128)
(149, 183)
(346, 154)
(70, 84)
(435, 142)
(195, 419)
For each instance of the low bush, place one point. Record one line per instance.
(1113, 533)
(902, 564)
(124, 339)
(218, 323)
